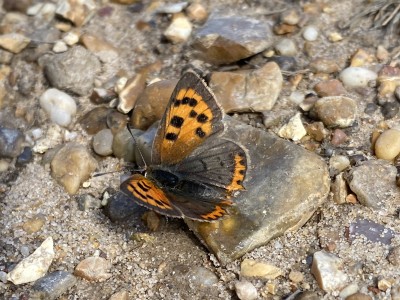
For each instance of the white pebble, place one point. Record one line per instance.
(4, 164)
(310, 33)
(355, 77)
(34, 266)
(245, 290)
(34, 9)
(294, 129)
(179, 30)
(60, 106)
(24, 251)
(37, 133)
(286, 47)
(59, 47)
(71, 38)
(296, 97)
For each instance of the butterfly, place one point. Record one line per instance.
(194, 172)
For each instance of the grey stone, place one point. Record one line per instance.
(11, 141)
(284, 184)
(53, 285)
(224, 40)
(374, 183)
(74, 70)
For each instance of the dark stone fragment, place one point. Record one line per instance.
(390, 110)
(25, 157)
(52, 285)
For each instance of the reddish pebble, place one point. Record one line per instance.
(338, 137)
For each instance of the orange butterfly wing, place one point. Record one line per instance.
(192, 116)
(147, 194)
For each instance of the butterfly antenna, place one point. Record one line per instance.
(137, 145)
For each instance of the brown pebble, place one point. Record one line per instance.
(116, 121)
(323, 65)
(351, 198)
(281, 29)
(332, 87)
(197, 12)
(338, 137)
(93, 269)
(34, 224)
(317, 131)
(95, 120)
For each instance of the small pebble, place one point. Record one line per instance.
(356, 77)
(286, 47)
(339, 188)
(25, 157)
(14, 42)
(336, 111)
(387, 146)
(93, 269)
(370, 108)
(4, 165)
(59, 47)
(290, 17)
(339, 163)
(324, 65)
(60, 106)
(246, 290)
(197, 12)
(34, 224)
(394, 256)
(72, 165)
(331, 87)
(11, 141)
(335, 37)
(102, 142)
(328, 271)
(381, 53)
(87, 202)
(296, 97)
(310, 33)
(349, 290)
(254, 268)
(116, 121)
(296, 276)
(390, 110)
(24, 251)
(71, 38)
(338, 137)
(35, 265)
(53, 285)
(95, 120)
(317, 131)
(123, 144)
(202, 277)
(179, 30)
(78, 12)
(361, 58)
(294, 129)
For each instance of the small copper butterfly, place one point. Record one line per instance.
(194, 171)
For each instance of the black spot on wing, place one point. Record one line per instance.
(200, 133)
(170, 136)
(177, 121)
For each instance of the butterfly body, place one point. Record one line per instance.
(194, 171)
